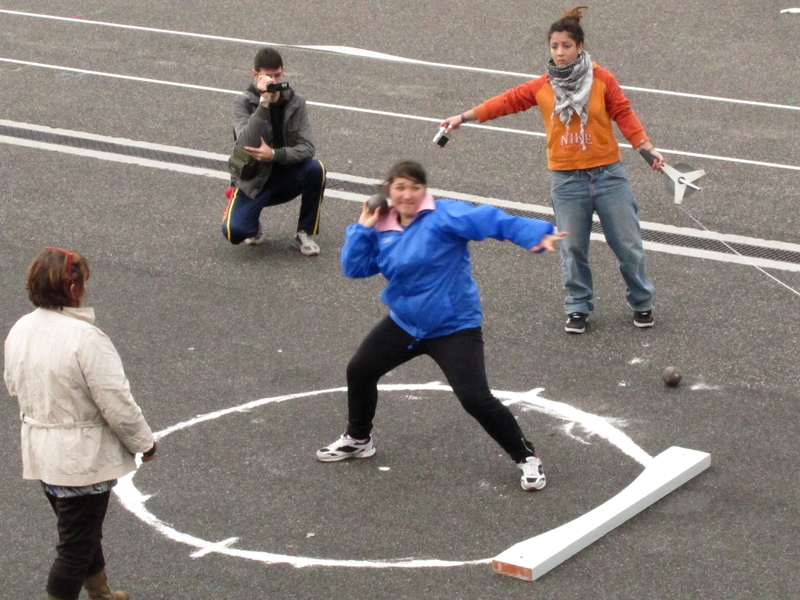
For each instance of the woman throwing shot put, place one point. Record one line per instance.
(578, 100)
(420, 247)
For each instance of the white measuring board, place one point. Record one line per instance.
(534, 557)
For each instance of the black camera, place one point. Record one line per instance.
(274, 86)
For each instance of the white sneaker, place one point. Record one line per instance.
(533, 478)
(307, 246)
(346, 447)
(256, 240)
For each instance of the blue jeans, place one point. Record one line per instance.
(605, 190)
(305, 179)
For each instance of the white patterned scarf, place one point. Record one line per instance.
(572, 85)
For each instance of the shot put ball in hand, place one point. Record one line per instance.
(378, 202)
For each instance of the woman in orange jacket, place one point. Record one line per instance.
(578, 100)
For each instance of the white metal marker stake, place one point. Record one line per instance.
(668, 471)
(678, 179)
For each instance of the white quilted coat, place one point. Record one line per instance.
(80, 424)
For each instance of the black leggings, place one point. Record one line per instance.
(459, 356)
(79, 549)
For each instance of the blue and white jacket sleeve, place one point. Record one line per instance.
(360, 252)
(481, 222)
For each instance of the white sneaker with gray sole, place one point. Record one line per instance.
(346, 447)
(533, 478)
(307, 246)
(256, 240)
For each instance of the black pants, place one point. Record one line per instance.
(79, 549)
(459, 355)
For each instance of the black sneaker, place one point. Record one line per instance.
(643, 318)
(576, 322)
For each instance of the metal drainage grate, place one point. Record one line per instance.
(671, 239)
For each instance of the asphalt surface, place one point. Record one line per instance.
(203, 326)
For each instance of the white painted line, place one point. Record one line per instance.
(734, 239)
(750, 262)
(391, 114)
(118, 76)
(134, 501)
(791, 10)
(343, 195)
(704, 386)
(523, 206)
(718, 256)
(84, 135)
(603, 427)
(728, 237)
(119, 158)
(743, 161)
(362, 53)
(668, 471)
(214, 547)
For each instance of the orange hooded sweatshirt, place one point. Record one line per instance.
(607, 102)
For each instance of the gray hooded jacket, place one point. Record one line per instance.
(251, 122)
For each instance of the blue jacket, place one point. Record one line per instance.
(431, 291)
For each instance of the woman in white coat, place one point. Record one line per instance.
(80, 425)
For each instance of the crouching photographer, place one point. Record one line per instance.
(273, 159)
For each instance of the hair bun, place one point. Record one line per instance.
(575, 13)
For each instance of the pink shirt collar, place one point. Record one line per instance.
(391, 222)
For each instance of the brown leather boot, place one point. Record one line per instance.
(97, 586)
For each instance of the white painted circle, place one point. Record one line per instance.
(133, 500)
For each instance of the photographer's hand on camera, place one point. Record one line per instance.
(263, 152)
(262, 84)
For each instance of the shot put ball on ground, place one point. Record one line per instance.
(671, 376)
